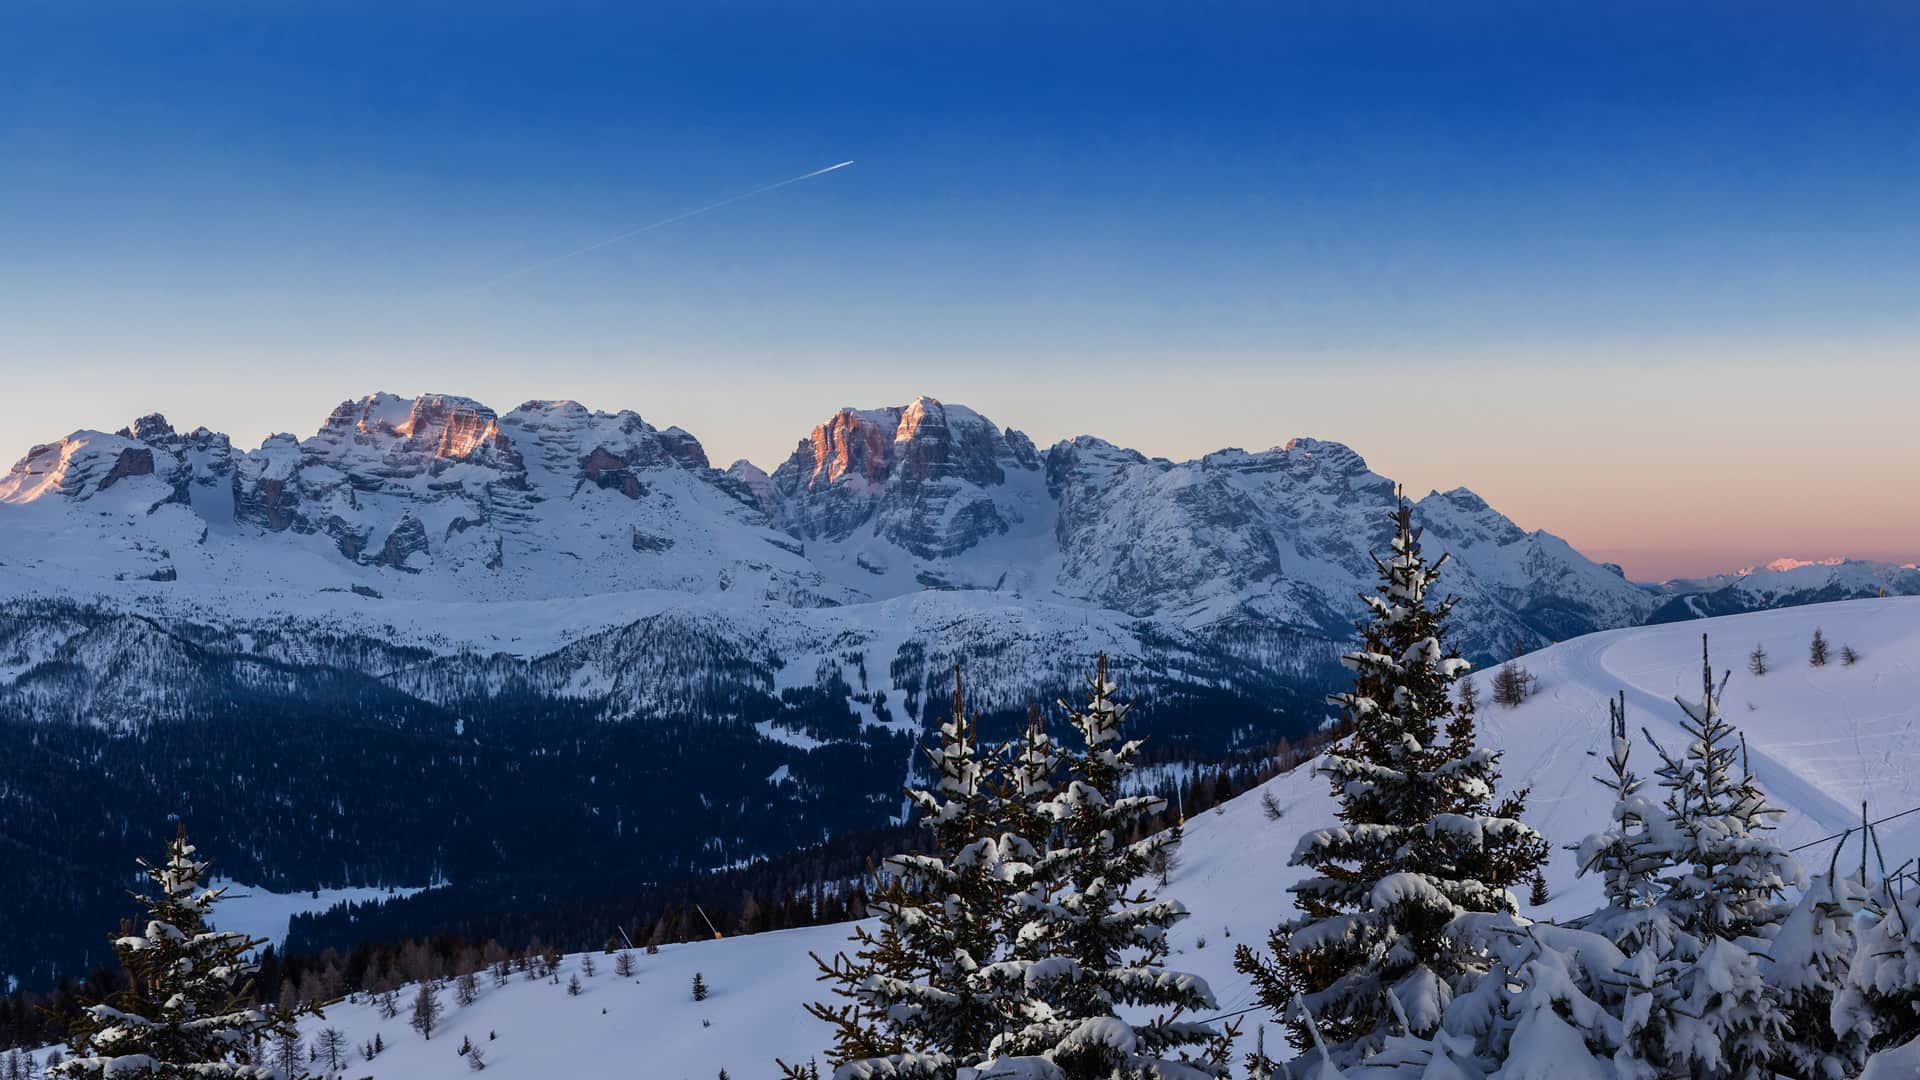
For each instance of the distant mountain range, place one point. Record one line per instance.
(1782, 583)
(531, 603)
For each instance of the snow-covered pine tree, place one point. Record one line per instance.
(1547, 1009)
(187, 1010)
(1723, 900)
(1627, 855)
(1806, 968)
(1880, 1000)
(920, 1002)
(1421, 840)
(1732, 877)
(1102, 943)
(1026, 784)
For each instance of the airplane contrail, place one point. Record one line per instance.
(662, 223)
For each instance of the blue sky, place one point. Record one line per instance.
(1603, 267)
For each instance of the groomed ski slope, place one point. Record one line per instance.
(1821, 741)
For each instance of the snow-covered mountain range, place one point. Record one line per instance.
(396, 502)
(1783, 583)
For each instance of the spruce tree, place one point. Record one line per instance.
(920, 994)
(188, 1008)
(1732, 877)
(1379, 944)
(1547, 1009)
(1757, 660)
(1628, 855)
(1880, 999)
(1808, 964)
(1817, 649)
(1101, 943)
(1721, 903)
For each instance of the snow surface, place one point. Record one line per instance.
(261, 913)
(1821, 740)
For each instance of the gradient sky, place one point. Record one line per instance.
(1647, 278)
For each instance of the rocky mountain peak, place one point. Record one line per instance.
(926, 473)
(600, 440)
(755, 481)
(1325, 456)
(1460, 515)
(439, 425)
(152, 427)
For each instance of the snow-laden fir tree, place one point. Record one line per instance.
(1694, 889)
(1096, 944)
(922, 998)
(1880, 999)
(187, 1010)
(1025, 786)
(1628, 856)
(1421, 841)
(1807, 966)
(1549, 1007)
(1732, 876)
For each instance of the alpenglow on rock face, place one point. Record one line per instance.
(925, 476)
(438, 497)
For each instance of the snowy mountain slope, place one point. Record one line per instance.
(1821, 740)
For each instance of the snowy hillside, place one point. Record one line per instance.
(1821, 741)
